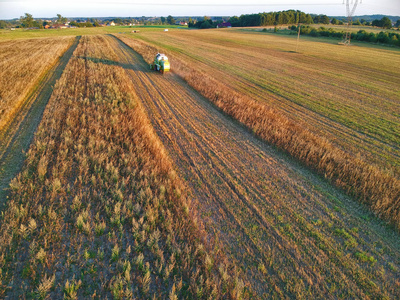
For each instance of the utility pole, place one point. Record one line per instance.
(350, 9)
(298, 38)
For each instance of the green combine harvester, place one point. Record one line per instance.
(161, 63)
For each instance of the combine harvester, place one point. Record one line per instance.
(160, 64)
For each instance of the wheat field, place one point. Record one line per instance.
(203, 183)
(98, 210)
(22, 64)
(350, 95)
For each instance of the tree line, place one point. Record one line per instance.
(272, 18)
(388, 38)
(260, 19)
(283, 18)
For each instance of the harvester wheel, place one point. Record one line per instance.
(162, 71)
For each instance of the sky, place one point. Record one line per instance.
(135, 8)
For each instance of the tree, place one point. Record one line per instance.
(397, 23)
(334, 21)
(163, 20)
(309, 19)
(386, 23)
(27, 21)
(235, 21)
(395, 40)
(383, 37)
(3, 24)
(324, 19)
(376, 23)
(170, 20)
(61, 19)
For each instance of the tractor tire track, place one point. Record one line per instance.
(247, 191)
(15, 141)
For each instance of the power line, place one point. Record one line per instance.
(350, 10)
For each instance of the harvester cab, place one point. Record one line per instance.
(161, 63)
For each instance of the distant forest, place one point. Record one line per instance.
(263, 19)
(288, 17)
(274, 18)
(387, 38)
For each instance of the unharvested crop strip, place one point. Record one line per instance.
(23, 65)
(18, 134)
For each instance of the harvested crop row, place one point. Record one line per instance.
(98, 210)
(291, 232)
(22, 64)
(366, 183)
(348, 95)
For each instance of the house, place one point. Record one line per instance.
(182, 23)
(112, 23)
(59, 26)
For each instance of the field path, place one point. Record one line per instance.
(18, 136)
(282, 224)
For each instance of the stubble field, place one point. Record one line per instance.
(98, 210)
(246, 196)
(348, 94)
(88, 215)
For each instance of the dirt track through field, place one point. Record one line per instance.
(265, 208)
(15, 141)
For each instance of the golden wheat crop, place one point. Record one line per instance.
(22, 64)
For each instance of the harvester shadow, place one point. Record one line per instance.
(135, 67)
